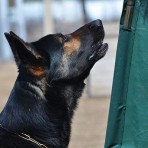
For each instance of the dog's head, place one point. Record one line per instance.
(58, 56)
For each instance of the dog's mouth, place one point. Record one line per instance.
(99, 50)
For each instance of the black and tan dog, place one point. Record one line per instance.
(50, 81)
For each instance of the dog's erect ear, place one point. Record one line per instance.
(24, 53)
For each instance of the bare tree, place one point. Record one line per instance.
(85, 18)
(48, 20)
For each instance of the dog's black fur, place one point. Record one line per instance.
(50, 81)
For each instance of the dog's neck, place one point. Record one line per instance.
(41, 110)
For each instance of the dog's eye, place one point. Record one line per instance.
(66, 38)
(60, 35)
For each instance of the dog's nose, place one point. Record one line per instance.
(95, 24)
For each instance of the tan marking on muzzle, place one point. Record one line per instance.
(72, 45)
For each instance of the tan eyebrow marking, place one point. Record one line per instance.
(72, 46)
(38, 71)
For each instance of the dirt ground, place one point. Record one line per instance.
(90, 120)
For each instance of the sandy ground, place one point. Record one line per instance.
(89, 125)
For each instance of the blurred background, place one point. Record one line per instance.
(32, 19)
